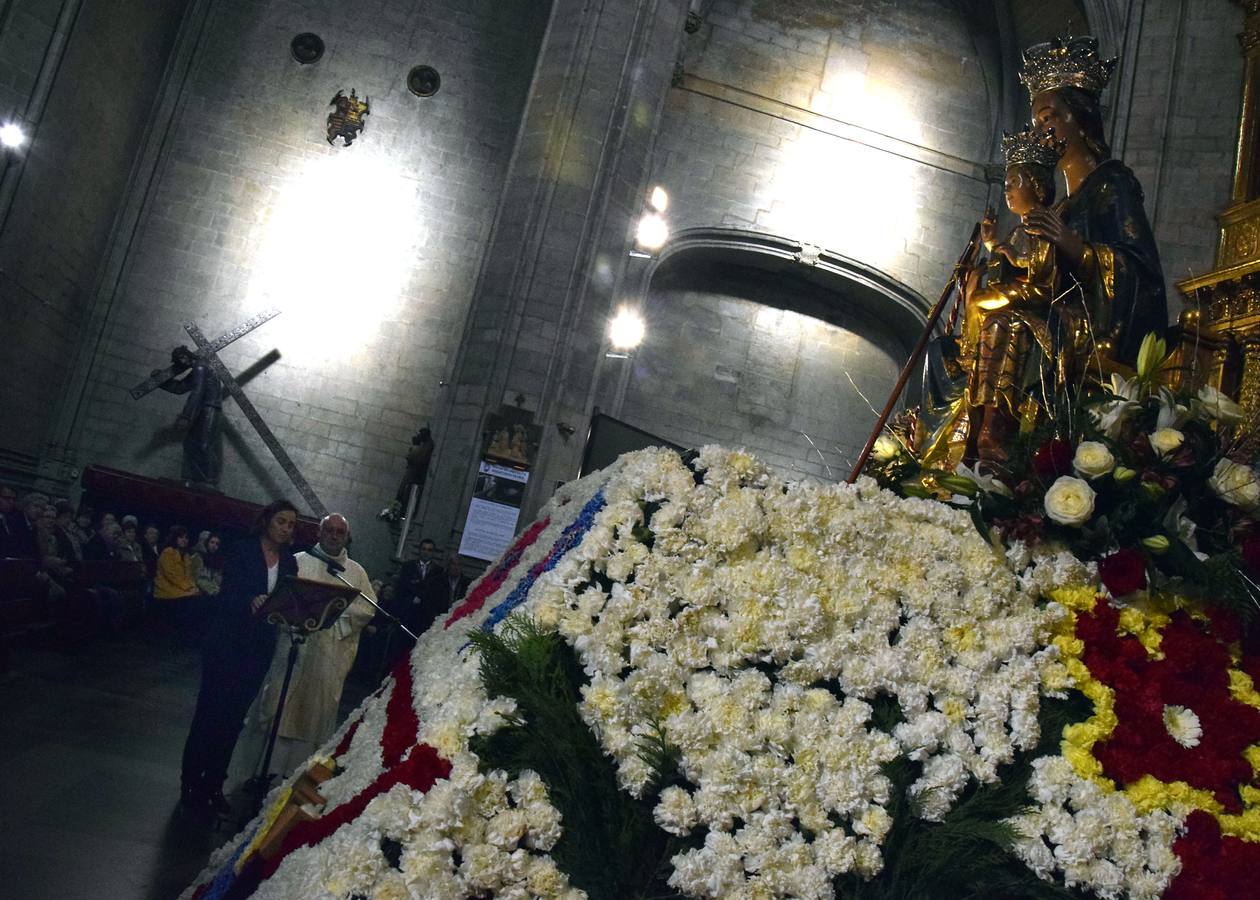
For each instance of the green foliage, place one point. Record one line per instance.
(967, 855)
(611, 847)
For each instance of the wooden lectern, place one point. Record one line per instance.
(300, 606)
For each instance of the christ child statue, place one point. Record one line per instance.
(1008, 313)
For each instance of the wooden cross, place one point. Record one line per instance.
(208, 351)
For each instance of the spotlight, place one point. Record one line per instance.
(659, 199)
(625, 331)
(652, 232)
(11, 135)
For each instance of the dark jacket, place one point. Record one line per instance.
(455, 590)
(23, 540)
(97, 549)
(234, 628)
(421, 599)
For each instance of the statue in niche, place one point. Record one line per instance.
(346, 119)
(1107, 286)
(415, 473)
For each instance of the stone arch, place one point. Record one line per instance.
(759, 340)
(864, 290)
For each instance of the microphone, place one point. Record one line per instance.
(333, 566)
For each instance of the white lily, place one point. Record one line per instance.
(1216, 405)
(1110, 414)
(988, 483)
(1171, 413)
(1175, 521)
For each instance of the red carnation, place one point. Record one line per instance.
(1123, 572)
(1053, 458)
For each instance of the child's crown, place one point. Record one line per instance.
(1032, 147)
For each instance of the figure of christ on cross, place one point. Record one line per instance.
(206, 353)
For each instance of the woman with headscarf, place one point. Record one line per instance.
(207, 564)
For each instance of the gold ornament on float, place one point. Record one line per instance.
(346, 119)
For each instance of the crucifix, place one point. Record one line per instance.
(208, 352)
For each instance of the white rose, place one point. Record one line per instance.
(886, 448)
(1219, 407)
(1166, 440)
(1093, 459)
(1070, 501)
(1235, 483)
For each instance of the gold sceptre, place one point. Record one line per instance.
(965, 263)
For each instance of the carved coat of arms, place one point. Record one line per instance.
(346, 119)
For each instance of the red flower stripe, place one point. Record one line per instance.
(493, 580)
(344, 744)
(401, 724)
(1213, 866)
(1193, 673)
(418, 771)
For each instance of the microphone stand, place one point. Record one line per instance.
(335, 569)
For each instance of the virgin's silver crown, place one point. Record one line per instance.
(1065, 62)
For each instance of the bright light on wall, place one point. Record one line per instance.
(337, 247)
(652, 232)
(11, 135)
(626, 330)
(659, 199)
(856, 200)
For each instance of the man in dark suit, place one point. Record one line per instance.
(22, 541)
(456, 581)
(421, 591)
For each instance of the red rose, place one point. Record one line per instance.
(1123, 572)
(1053, 458)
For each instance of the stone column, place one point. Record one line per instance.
(557, 252)
(1246, 169)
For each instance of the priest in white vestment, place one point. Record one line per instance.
(324, 660)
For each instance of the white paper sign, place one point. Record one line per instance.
(492, 514)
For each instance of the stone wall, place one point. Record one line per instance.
(729, 367)
(860, 127)
(468, 250)
(60, 193)
(557, 258)
(371, 252)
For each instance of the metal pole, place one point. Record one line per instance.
(964, 262)
(412, 496)
(380, 609)
(264, 776)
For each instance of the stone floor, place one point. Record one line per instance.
(90, 743)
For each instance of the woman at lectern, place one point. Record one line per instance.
(236, 655)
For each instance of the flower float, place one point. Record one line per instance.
(704, 679)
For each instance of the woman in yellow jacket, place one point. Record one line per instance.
(174, 588)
